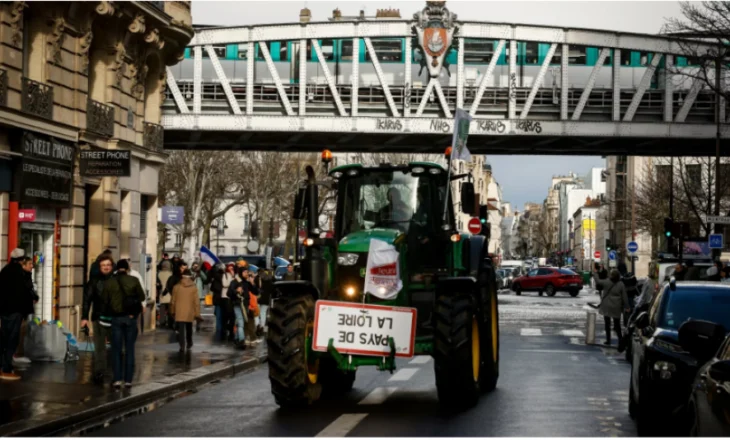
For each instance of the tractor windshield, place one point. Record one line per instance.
(390, 199)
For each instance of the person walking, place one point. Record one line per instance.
(185, 308)
(200, 279)
(14, 301)
(100, 327)
(238, 294)
(178, 267)
(27, 264)
(648, 290)
(267, 292)
(250, 293)
(229, 318)
(613, 303)
(165, 297)
(216, 286)
(124, 296)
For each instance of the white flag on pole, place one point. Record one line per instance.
(382, 275)
(461, 132)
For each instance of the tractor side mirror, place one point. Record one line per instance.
(467, 198)
(300, 204)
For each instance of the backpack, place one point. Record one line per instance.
(130, 304)
(253, 305)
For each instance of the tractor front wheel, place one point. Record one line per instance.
(457, 351)
(294, 376)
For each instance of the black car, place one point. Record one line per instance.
(709, 405)
(662, 370)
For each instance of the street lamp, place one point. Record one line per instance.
(220, 226)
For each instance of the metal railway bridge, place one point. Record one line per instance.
(658, 114)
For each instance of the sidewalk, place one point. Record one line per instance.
(54, 396)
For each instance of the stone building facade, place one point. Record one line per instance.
(80, 76)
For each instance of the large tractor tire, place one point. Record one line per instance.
(464, 361)
(490, 344)
(294, 378)
(335, 382)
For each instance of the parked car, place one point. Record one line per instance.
(709, 404)
(549, 280)
(662, 364)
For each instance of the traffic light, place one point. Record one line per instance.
(608, 245)
(483, 214)
(668, 227)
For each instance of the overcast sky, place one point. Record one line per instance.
(523, 178)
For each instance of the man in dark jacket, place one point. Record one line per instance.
(14, 300)
(125, 298)
(102, 329)
(267, 291)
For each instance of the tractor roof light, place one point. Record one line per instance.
(447, 153)
(308, 242)
(326, 156)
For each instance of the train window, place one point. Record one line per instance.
(220, 52)
(328, 49)
(530, 56)
(283, 50)
(645, 58)
(625, 57)
(558, 55)
(346, 51)
(693, 61)
(243, 51)
(478, 51)
(577, 55)
(388, 50)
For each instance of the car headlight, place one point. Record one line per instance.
(665, 369)
(347, 259)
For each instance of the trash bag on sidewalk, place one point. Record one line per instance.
(48, 342)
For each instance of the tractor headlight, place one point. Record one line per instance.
(347, 259)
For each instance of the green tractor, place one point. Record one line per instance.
(443, 302)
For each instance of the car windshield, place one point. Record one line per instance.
(708, 304)
(394, 199)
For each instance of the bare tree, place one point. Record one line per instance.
(705, 28)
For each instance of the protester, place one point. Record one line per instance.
(27, 264)
(289, 275)
(613, 302)
(165, 296)
(136, 274)
(101, 327)
(267, 292)
(200, 279)
(124, 296)
(16, 302)
(178, 267)
(251, 290)
(165, 258)
(229, 319)
(238, 293)
(185, 308)
(94, 269)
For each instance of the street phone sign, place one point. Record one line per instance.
(475, 225)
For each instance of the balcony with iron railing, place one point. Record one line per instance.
(153, 136)
(100, 118)
(37, 98)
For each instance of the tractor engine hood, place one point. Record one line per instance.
(360, 241)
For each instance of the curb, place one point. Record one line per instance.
(150, 392)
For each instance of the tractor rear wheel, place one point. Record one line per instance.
(457, 350)
(294, 377)
(334, 381)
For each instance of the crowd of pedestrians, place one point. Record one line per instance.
(240, 299)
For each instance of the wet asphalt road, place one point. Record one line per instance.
(550, 385)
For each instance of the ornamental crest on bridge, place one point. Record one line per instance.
(435, 32)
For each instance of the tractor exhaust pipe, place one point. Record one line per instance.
(313, 266)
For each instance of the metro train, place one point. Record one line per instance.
(390, 52)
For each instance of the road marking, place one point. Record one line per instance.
(572, 333)
(420, 360)
(574, 358)
(378, 396)
(342, 425)
(403, 374)
(530, 332)
(576, 341)
(552, 351)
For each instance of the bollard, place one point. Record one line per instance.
(590, 327)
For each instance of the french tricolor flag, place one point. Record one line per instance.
(208, 257)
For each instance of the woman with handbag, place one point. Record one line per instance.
(614, 302)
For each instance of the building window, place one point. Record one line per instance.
(246, 225)
(178, 240)
(144, 205)
(694, 175)
(220, 250)
(234, 250)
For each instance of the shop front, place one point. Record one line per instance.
(44, 184)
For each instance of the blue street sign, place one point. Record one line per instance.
(716, 241)
(612, 255)
(173, 215)
(632, 247)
